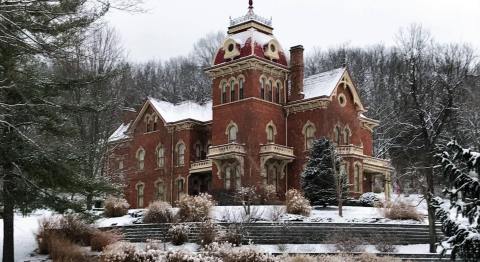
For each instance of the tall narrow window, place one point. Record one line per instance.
(224, 92)
(280, 94)
(181, 154)
(160, 191)
(155, 124)
(232, 134)
(160, 156)
(240, 89)
(141, 159)
(180, 188)
(198, 151)
(346, 136)
(357, 178)
(120, 164)
(262, 88)
(309, 136)
(336, 135)
(232, 91)
(238, 180)
(269, 91)
(228, 177)
(270, 134)
(140, 191)
(277, 93)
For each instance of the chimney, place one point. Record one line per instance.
(128, 115)
(297, 69)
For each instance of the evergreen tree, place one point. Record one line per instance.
(322, 175)
(462, 168)
(34, 168)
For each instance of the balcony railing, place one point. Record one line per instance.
(200, 166)
(222, 151)
(377, 162)
(347, 150)
(277, 150)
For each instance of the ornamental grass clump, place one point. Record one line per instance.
(195, 208)
(401, 210)
(101, 239)
(178, 234)
(297, 204)
(116, 207)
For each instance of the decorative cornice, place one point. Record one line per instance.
(306, 105)
(249, 62)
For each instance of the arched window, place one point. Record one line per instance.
(232, 91)
(228, 177)
(160, 191)
(262, 88)
(309, 136)
(181, 154)
(160, 156)
(357, 178)
(140, 192)
(141, 159)
(155, 124)
(240, 89)
(269, 91)
(148, 121)
(224, 92)
(336, 135)
(346, 136)
(270, 134)
(232, 134)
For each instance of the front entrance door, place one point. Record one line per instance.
(199, 183)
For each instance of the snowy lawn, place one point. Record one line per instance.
(329, 248)
(24, 234)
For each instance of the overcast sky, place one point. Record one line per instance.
(170, 27)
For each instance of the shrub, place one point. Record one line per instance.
(386, 247)
(233, 234)
(369, 199)
(195, 208)
(119, 252)
(270, 194)
(47, 227)
(76, 230)
(178, 234)
(346, 242)
(207, 233)
(297, 204)
(101, 239)
(154, 244)
(401, 210)
(158, 212)
(298, 258)
(227, 253)
(365, 257)
(61, 248)
(276, 213)
(116, 207)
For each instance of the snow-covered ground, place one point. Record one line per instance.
(24, 233)
(327, 248)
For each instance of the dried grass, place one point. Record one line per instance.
(101, 239)
(116, 207)
(401, 210)
(159, 212)
(297, 204)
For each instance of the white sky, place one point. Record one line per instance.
(170, 27)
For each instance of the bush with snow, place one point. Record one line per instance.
(101, 239)
(401, 210)
(158, 212)
(226, 252)
(116, 207)
(178, 234)
(207, 233)
(297, 204)
(195, 208)
(369, 199)
(119, 252)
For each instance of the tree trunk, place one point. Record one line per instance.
(89, 201)
(8, 214)
(340, 207)
(431, 211)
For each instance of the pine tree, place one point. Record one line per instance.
(322, 175)
(35, 170)
(462, 169)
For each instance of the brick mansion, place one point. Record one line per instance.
(256, 131)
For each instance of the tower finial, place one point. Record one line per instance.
(250, 4)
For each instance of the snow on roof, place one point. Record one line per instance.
(322, 84)
(256, 36)
(185, 110)
(120, 133)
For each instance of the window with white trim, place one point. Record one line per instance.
(160, 156)
(232, 134)
(181, 154)
(140, 193)
(240, 89)
(309, 136)
(232, 91)
(140, 159)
